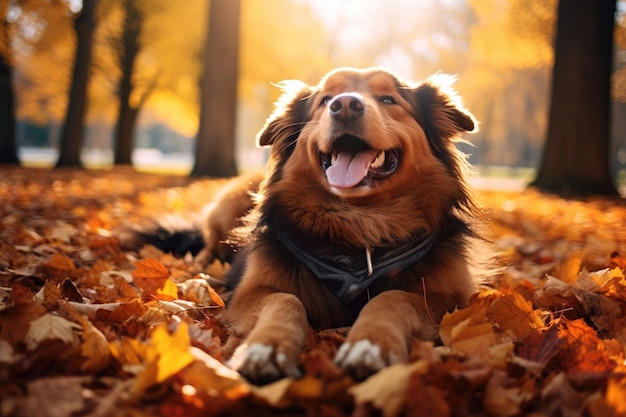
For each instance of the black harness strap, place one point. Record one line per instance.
(349, 274)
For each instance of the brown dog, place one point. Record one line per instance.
(364, 220)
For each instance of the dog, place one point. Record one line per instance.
(364, 219)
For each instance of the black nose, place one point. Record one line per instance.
(346, 106)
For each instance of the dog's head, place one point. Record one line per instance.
(367, 131)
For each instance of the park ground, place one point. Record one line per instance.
(87, 328)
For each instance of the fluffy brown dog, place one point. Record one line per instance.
(364, 220)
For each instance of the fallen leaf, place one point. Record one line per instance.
(150, 275)
(200, 292)
(386, 389)
(94, 348)
(166, 355)
(51, 327)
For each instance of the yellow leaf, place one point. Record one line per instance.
(168, 291)
(166, 355)
(568, 270)
(475, 312)
(128, 352)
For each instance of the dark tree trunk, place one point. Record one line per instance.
(575, 159)
(127, 114)
(71, 139)
(8, 144)
(8, 140)
(215, 147)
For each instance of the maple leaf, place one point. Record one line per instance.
(166, 355)
(511, 312)
(467, 330)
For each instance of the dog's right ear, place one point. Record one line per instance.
(292, 111)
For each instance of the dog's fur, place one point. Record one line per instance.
(419, 188)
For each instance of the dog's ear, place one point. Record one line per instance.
(283, 126)
(439, 109)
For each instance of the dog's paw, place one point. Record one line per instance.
(261, 364)
(363, 358)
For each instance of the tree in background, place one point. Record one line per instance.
(576, 154)
(127, 112)
(8, 144)
(73, 128)
(215, 146)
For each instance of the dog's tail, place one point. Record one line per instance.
(170, 234)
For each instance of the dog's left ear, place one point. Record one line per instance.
(283, 126)
(439, 109)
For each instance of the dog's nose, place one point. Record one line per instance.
(346, 106)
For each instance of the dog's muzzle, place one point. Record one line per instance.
(353, 163)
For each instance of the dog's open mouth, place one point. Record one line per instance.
(353, 163)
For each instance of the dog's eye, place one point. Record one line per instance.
(325, 100)
(388, 100)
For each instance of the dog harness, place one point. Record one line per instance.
(349, 274)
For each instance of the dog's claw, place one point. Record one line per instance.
(261, 364)
(361, 359)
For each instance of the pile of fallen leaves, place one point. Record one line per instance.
(89, 329)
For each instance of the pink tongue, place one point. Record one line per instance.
(349, 169)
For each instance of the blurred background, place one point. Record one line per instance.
(501, 51)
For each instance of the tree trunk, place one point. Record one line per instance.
(575, 159)
(127, 114)
(8, 141)
(8, 145)
(71, 139)
(215, 146)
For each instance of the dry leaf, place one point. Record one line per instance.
(385, 390)
(166, 355)
(150, 275)
(200, 292)
(94, 348)
(533, 343)
(51, 327)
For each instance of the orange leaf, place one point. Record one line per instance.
(60, 261)
(150, 275)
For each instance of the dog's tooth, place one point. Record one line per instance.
(333, 158)
(379, 161)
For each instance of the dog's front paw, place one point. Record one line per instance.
(363, 358)
(261, 364)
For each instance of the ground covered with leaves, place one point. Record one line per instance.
(87, 328)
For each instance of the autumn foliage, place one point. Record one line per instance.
(87, 328)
